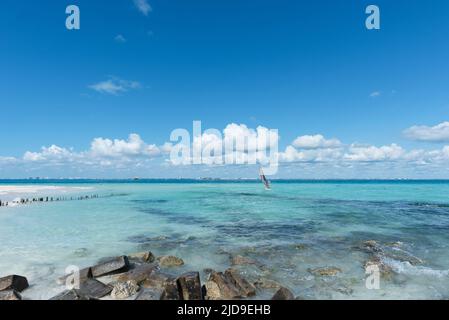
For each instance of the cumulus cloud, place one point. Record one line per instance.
(48, 153)
(315, 142)
(115, 86)
(375, 94)
(235, 144)
(117, 148)
(438, 133)
(373, 153)
(143, 6)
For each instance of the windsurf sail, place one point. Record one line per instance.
(264, 179)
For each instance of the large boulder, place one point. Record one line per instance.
(146, 257)
(139, 274)
(70, 295)
(245, 288)
(170, 291)
(189, 286)
(84, 274)
(157, 280)
(10, 295)
(221, 286)
(110, 266)
(13, 282)
(265, 283)
(283, 294)
(150, 294)
(124, 290)
(170, 261)
(94, 289)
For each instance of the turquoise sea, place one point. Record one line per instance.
(295, 227)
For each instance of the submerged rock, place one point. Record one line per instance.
(371, 246)
(325, 271)
(111, 266)
(385, 270)
(403, 256)
(267, 284)
(189, 286)
(13, 282)
(239, 260)
(170, 261)
(283, 294)
(124, 290)
(10, 295)
(300, 246)
(146, 256)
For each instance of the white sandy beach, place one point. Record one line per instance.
(11, 192)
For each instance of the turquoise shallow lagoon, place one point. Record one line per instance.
(297, 226)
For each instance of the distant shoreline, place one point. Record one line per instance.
(210, 180)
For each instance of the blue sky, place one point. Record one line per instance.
(302, 67)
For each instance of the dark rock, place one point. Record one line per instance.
(146, 256)
(84, 274)
(245, 288)
(170, 291)
(150, 294)
(219, 287)
(267, 284)
(124, 290)
(283, 294)
(189, 285)
(92, 288)
(208, 271)
(170, 261)
(13, 282)
(157, 280)
(69, 295)
(115, 265)
(139, 274)
(385, 270)
(10, 295)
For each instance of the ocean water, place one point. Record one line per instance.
(295, 227)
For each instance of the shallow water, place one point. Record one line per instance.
(294, 227)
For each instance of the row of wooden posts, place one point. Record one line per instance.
(47, 199)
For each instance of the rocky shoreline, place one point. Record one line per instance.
(142, 276)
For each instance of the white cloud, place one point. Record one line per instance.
(120, 38)
(143, 6)
(438, 133)
(375, 94)
(307, 152)
(117, 148)
(291, 154)
(372, 153)
(115, 86)
(48, 153)
(315, 142)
